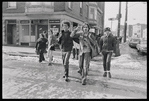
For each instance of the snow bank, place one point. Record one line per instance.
(125, 61)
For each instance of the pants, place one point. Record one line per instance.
(65, 58)
(106, 56)
(75, 52)
(84, 62)
(50, 55)
(41, 55)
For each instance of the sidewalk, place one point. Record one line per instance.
(128, 76)
(21, 51)
(30, 51)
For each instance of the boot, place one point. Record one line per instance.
(109, 74)
(84, 81)
(105, 74)
(80, 72)
(77, 57)
(66, 72)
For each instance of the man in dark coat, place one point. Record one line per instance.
(107, 45)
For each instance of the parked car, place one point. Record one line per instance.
(133, 42)
(142, 46)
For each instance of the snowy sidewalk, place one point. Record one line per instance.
(128, 80)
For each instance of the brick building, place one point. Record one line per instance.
(23, 21)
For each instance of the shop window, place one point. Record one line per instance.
(12, 5)
(33, 30)
(25, 30)
(11, 21)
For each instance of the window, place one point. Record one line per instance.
(12, 5)
(93, 13)
(33, 30)
(25, 30)
(70, 5)
(35, 3)
(81, 6)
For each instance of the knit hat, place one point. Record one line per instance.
(107, 29)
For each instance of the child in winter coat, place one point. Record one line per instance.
(41, 46)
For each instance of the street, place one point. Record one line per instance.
(23, 77)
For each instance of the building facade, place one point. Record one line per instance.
(137, 30)
(24, 21)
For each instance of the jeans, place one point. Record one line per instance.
(50, 55)
(106, 56)
(75, 52)
(65, 58)
(84, 62)
(41, 55)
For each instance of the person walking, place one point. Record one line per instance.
(51, 46)
(107, 45)
(66, 43)
(41, 46)
(85, 51)
(46, 36)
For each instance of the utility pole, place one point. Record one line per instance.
(119, 19)
(111, 24)
(125, 27)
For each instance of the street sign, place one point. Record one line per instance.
(119, 16)
(111, 19)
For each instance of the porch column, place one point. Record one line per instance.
(17, 30)
(4, 32)
(30, 32)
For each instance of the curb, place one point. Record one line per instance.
(22, 55)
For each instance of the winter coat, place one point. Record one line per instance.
(107, 43)
(89, 42)
(65, 41)
(41, 43)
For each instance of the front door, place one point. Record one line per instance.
(11, 32)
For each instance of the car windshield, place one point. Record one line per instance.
(144, 42)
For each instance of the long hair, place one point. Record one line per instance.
(87, 26)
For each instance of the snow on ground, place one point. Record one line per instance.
(125, 61)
